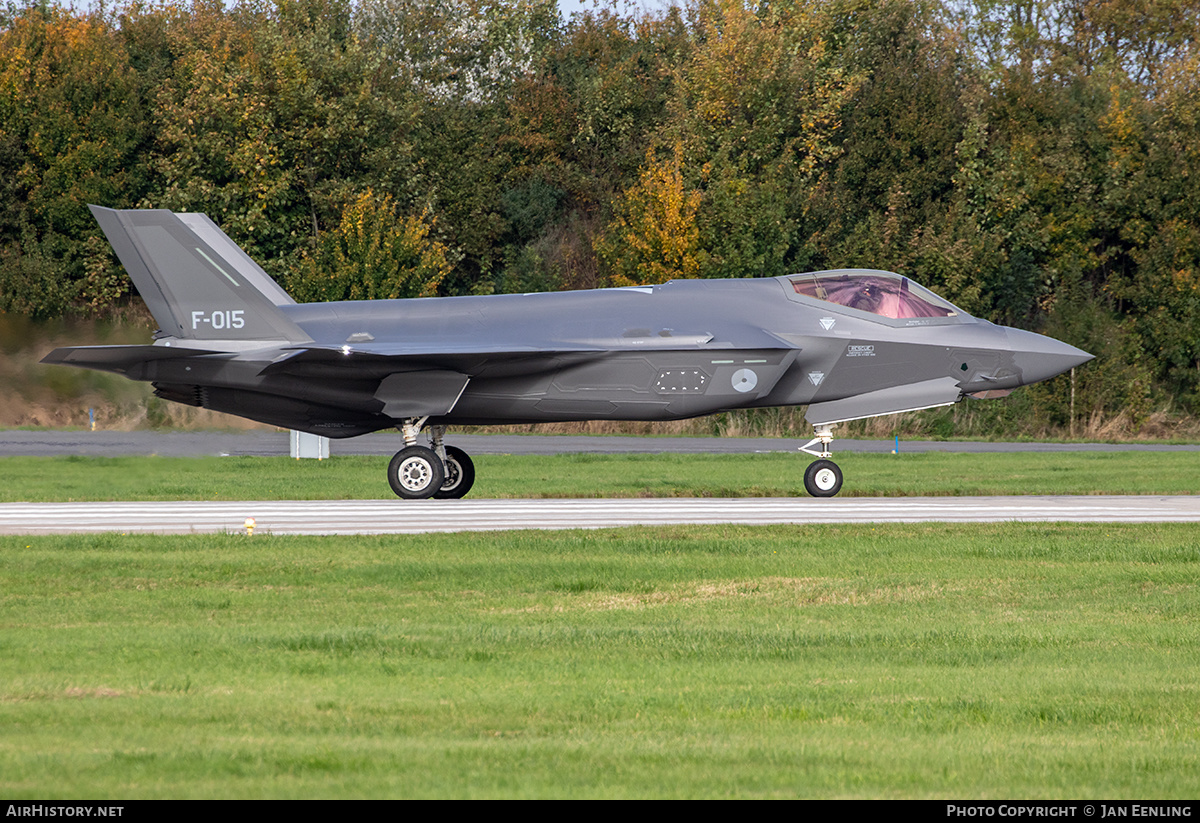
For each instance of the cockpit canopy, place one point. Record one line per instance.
(877, 292)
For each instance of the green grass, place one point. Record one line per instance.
(973, 661)
(587, 475)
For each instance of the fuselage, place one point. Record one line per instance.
(672, 351)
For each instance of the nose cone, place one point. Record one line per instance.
(1039, 357)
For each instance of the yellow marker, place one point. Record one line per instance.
(249, 526)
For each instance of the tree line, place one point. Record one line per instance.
(1036, 162)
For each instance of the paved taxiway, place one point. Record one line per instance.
(48, 443)
(412, 517)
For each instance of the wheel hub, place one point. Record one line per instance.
(414, 474)
(825, 479)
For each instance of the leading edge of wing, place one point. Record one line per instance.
(432, 350)
(302, 359)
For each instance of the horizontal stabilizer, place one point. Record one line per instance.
(118, 359)
(924, 395)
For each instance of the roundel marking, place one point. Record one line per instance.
(744, 380)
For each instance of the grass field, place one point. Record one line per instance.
(37, 479)
(965, 661)
(1057, 661)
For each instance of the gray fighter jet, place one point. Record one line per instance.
(848, 344)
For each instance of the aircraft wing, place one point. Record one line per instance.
(381, 360)
(413, 381)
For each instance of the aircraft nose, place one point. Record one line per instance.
(1040, 357)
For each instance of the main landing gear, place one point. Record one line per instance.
(822, 478)
(418, 473)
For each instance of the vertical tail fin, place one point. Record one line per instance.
(197, 283)
(211, 233)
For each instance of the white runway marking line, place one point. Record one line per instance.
(411, 517)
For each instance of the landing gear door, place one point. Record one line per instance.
(924, 395)
(420, 393)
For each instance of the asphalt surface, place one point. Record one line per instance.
(407, 517)
(196, 444)
(412, 517)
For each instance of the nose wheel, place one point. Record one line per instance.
(822, 478)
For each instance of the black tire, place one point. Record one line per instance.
(460, 475)
(823, 478)
(416, 473)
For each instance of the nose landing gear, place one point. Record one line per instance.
(822, 478)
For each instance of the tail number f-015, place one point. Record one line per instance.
(220, 319)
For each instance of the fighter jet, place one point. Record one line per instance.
(849, 344)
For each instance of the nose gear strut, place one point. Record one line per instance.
(822, 478)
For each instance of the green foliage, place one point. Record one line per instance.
(373, 254)
(893, 199)
(1118, 383)
(1037, 163)
(654, 237)
(71, 133)
(273, 118)
(32, 282)
(459, 52)
(755, 104)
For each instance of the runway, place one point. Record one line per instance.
(415, 517)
